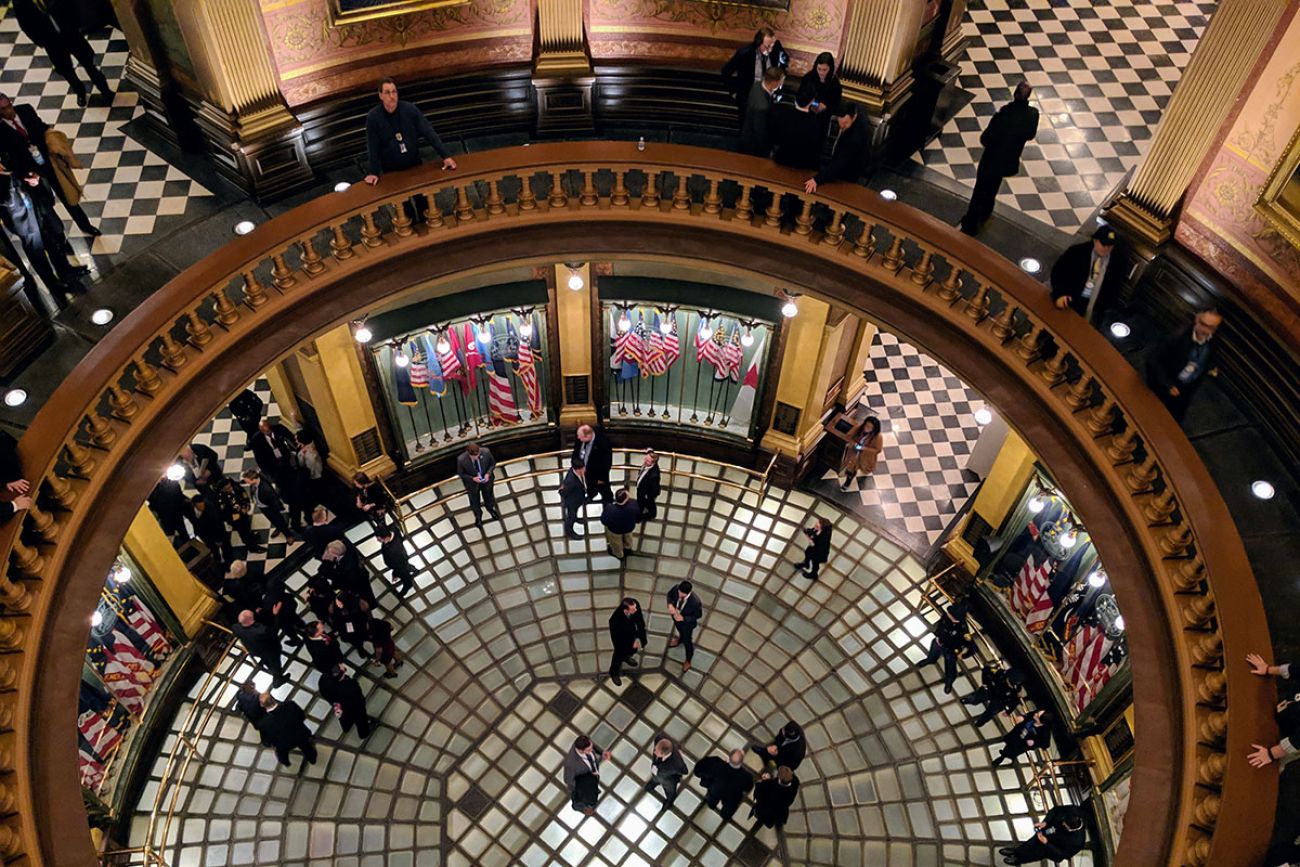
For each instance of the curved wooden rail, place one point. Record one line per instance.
(1175, 559)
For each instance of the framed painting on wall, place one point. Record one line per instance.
(353, 11)
(1279, 201)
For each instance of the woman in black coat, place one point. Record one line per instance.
(819, 551)
(816, 102)
(1032, 732)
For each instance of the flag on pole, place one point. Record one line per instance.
(437, 384)
(633, 351)
(616, 342)
(483, 339)
(504, 348)
(1086, 662)
(419, 365)
(402, 380)
(501, 401)
(146, 625)
(702, 338)
(743, 407)
(654, 351)
(1029, 596)
(527, 374)
(713, 351)
(126, 672)
(672, 345)
(450, 360)
(733, 355)
(473, 359)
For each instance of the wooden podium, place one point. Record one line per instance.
(23, 327)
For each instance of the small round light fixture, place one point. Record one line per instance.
(526, 330)
(1036, 504)
(484, 333)
(175, 472)
(1119, 622)
(443, 345)
(747, 339)
(1069, 540)
(1096, 578)
(102, 316)
(575, 280)
(889, 195)
(624, 322)
(983, 416)
(401, 359)
(363, 334)
(1120, 330)
(96, 619)
(1030, 265)
(666, 327)
(1263, 489)
(243, 227)
(15, 397)
(121, 574)
(789, 309)
(341, 186)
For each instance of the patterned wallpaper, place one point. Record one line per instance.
(1219, 221)
(316, 60)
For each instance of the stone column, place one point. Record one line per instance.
(855, 378)
(150, 548)
(1011, 471)
(575, 325)
(562, 70)
(1213, 80)
(876, 54)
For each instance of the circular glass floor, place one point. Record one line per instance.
(506, 644)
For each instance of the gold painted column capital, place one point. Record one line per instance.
(1200, 105)
(561, 47)
(876, 53)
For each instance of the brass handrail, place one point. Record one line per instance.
(1179, 563)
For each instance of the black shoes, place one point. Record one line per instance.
(618, 681)
(631, 662)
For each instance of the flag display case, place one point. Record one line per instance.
(1049, 583)
(676, 365)
(449, 382)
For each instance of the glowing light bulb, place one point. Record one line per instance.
(1096, 579)
(983, 415)
(1119, 622)
(789, 309)
(243, 227)
(526, 330)
(747, 339)
(575, 281)
(888, 195)
(102, 316)
(401, 359)
(176, 472)
(1030, 265)
(1262, 489)
(624, 322)
(15, 397)
(341, 186)
(666, 326)
(1036, 504)
(121, 574)
(1069, 539)
(363, 334)
(443, 345)
(1120, 330)
(484, 333)
(96, 619)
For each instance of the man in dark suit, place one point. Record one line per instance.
(263, 493)
(999, 691)
(261, 641)
(172, 509)
(667, 768)
(627, 631)
(620, 519)
(597, 459)
(26, 152)
(787, 749)
(285, 729)
(757, 131)
(475, 466)
(850, 154)
(274, 448)
(202, 465)
(685, 609)
(725, 782)
(1059, 836)
(573, 496)
(647, 486)
(211, 529)
(342, 566)
(280, 609)
(348, 701)
(323, 531)
(1178, 366)
(582, 774)
(818, 550)
(1030, 732)
(323, 647)
(747, 65)
(247, 410)
(393, 551)
(27, 211)
(1081, 276)
(248, 701)
(773, 797)
(952, 640)
(54, 26)
(1004, 140)
(237, 511)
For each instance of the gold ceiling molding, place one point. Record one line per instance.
(439, 40)
(1279, 200)
(355, 11)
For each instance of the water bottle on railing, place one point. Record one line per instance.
(640, 144)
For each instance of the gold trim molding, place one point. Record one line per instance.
(340, 16)
(1270, 205)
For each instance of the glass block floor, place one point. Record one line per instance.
(506, 645)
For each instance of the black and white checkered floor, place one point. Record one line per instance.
(128, 188)
(1102, 75)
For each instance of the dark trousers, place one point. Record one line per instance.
(61, 54)
(668, 783)
(243, 525)
(75, 211)
(571, 517)
(949, 662)
(722, 806)
(686, 634)
(360, 720)
(982, 199)
(649, 508)
(810, 563)
(621, 655)
(599, 488)
(173, 523)
(480, 496)
(586, 791)
(276, 517)
(307, 746)
(405, 579)
(220, 547)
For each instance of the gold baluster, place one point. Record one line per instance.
(804, 222)
(923, 271)
(772, 216)
(1053, 372)
(1027, 348)
(101, 432)
(1004, 323)
(1188, 575)
(11, 633)
(173, 353)
(978, 305)
(681, 198)
(227, 314)
(1209, 650)
(949, 289)
(558, 198)
(865, 245)
(311, 260)
(1120, 449)
(588, 198)
(1177, 542)
(495, 203)
(712, 200)
(1207, 810)
(198, 330)
(1212, 688)
(281, 274)
(1101, 420)
(650, 193)
(27, 559)
(42, 522)
(8, 673)
(1198, 852)
(1160, 507)
(123, 405)
(1141, 476)
(401, 220)
(80, 461)
(370, 234)
(464, 211)
(254, 291)
(834, 235)
(341, 247)
(146, 378)
(63, 494)
(620, 197)
(893, 261)
(527, 200)
(744, 207)
(1080, 394)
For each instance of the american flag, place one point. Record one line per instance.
(715, 352)
(91, 768)
(448, 360)
(127, 673)
(146, 625)
(419, 367)
(702, 339)
(1089, 662)
(527, 374)
(672, 345)
(619, 339)
(473, 358)
(100, 735)
(501, 401)
(1029, 596)
(654, 362)
(732, 356)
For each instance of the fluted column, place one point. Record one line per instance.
(560, 46)
(1200, 104)
(876, 54)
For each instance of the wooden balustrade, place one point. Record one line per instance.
(1049, 374)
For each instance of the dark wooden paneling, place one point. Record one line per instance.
(664, 98)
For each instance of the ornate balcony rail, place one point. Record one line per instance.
(1180, 570)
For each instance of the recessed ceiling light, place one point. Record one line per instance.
(243, 227)
(1120, 330)
(175, 472)
(15, 397)
(102, 316)
(888, 195)
(1031, 265)
(96, 619)
(983, 415)
(341, 186)
(1262, 489)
